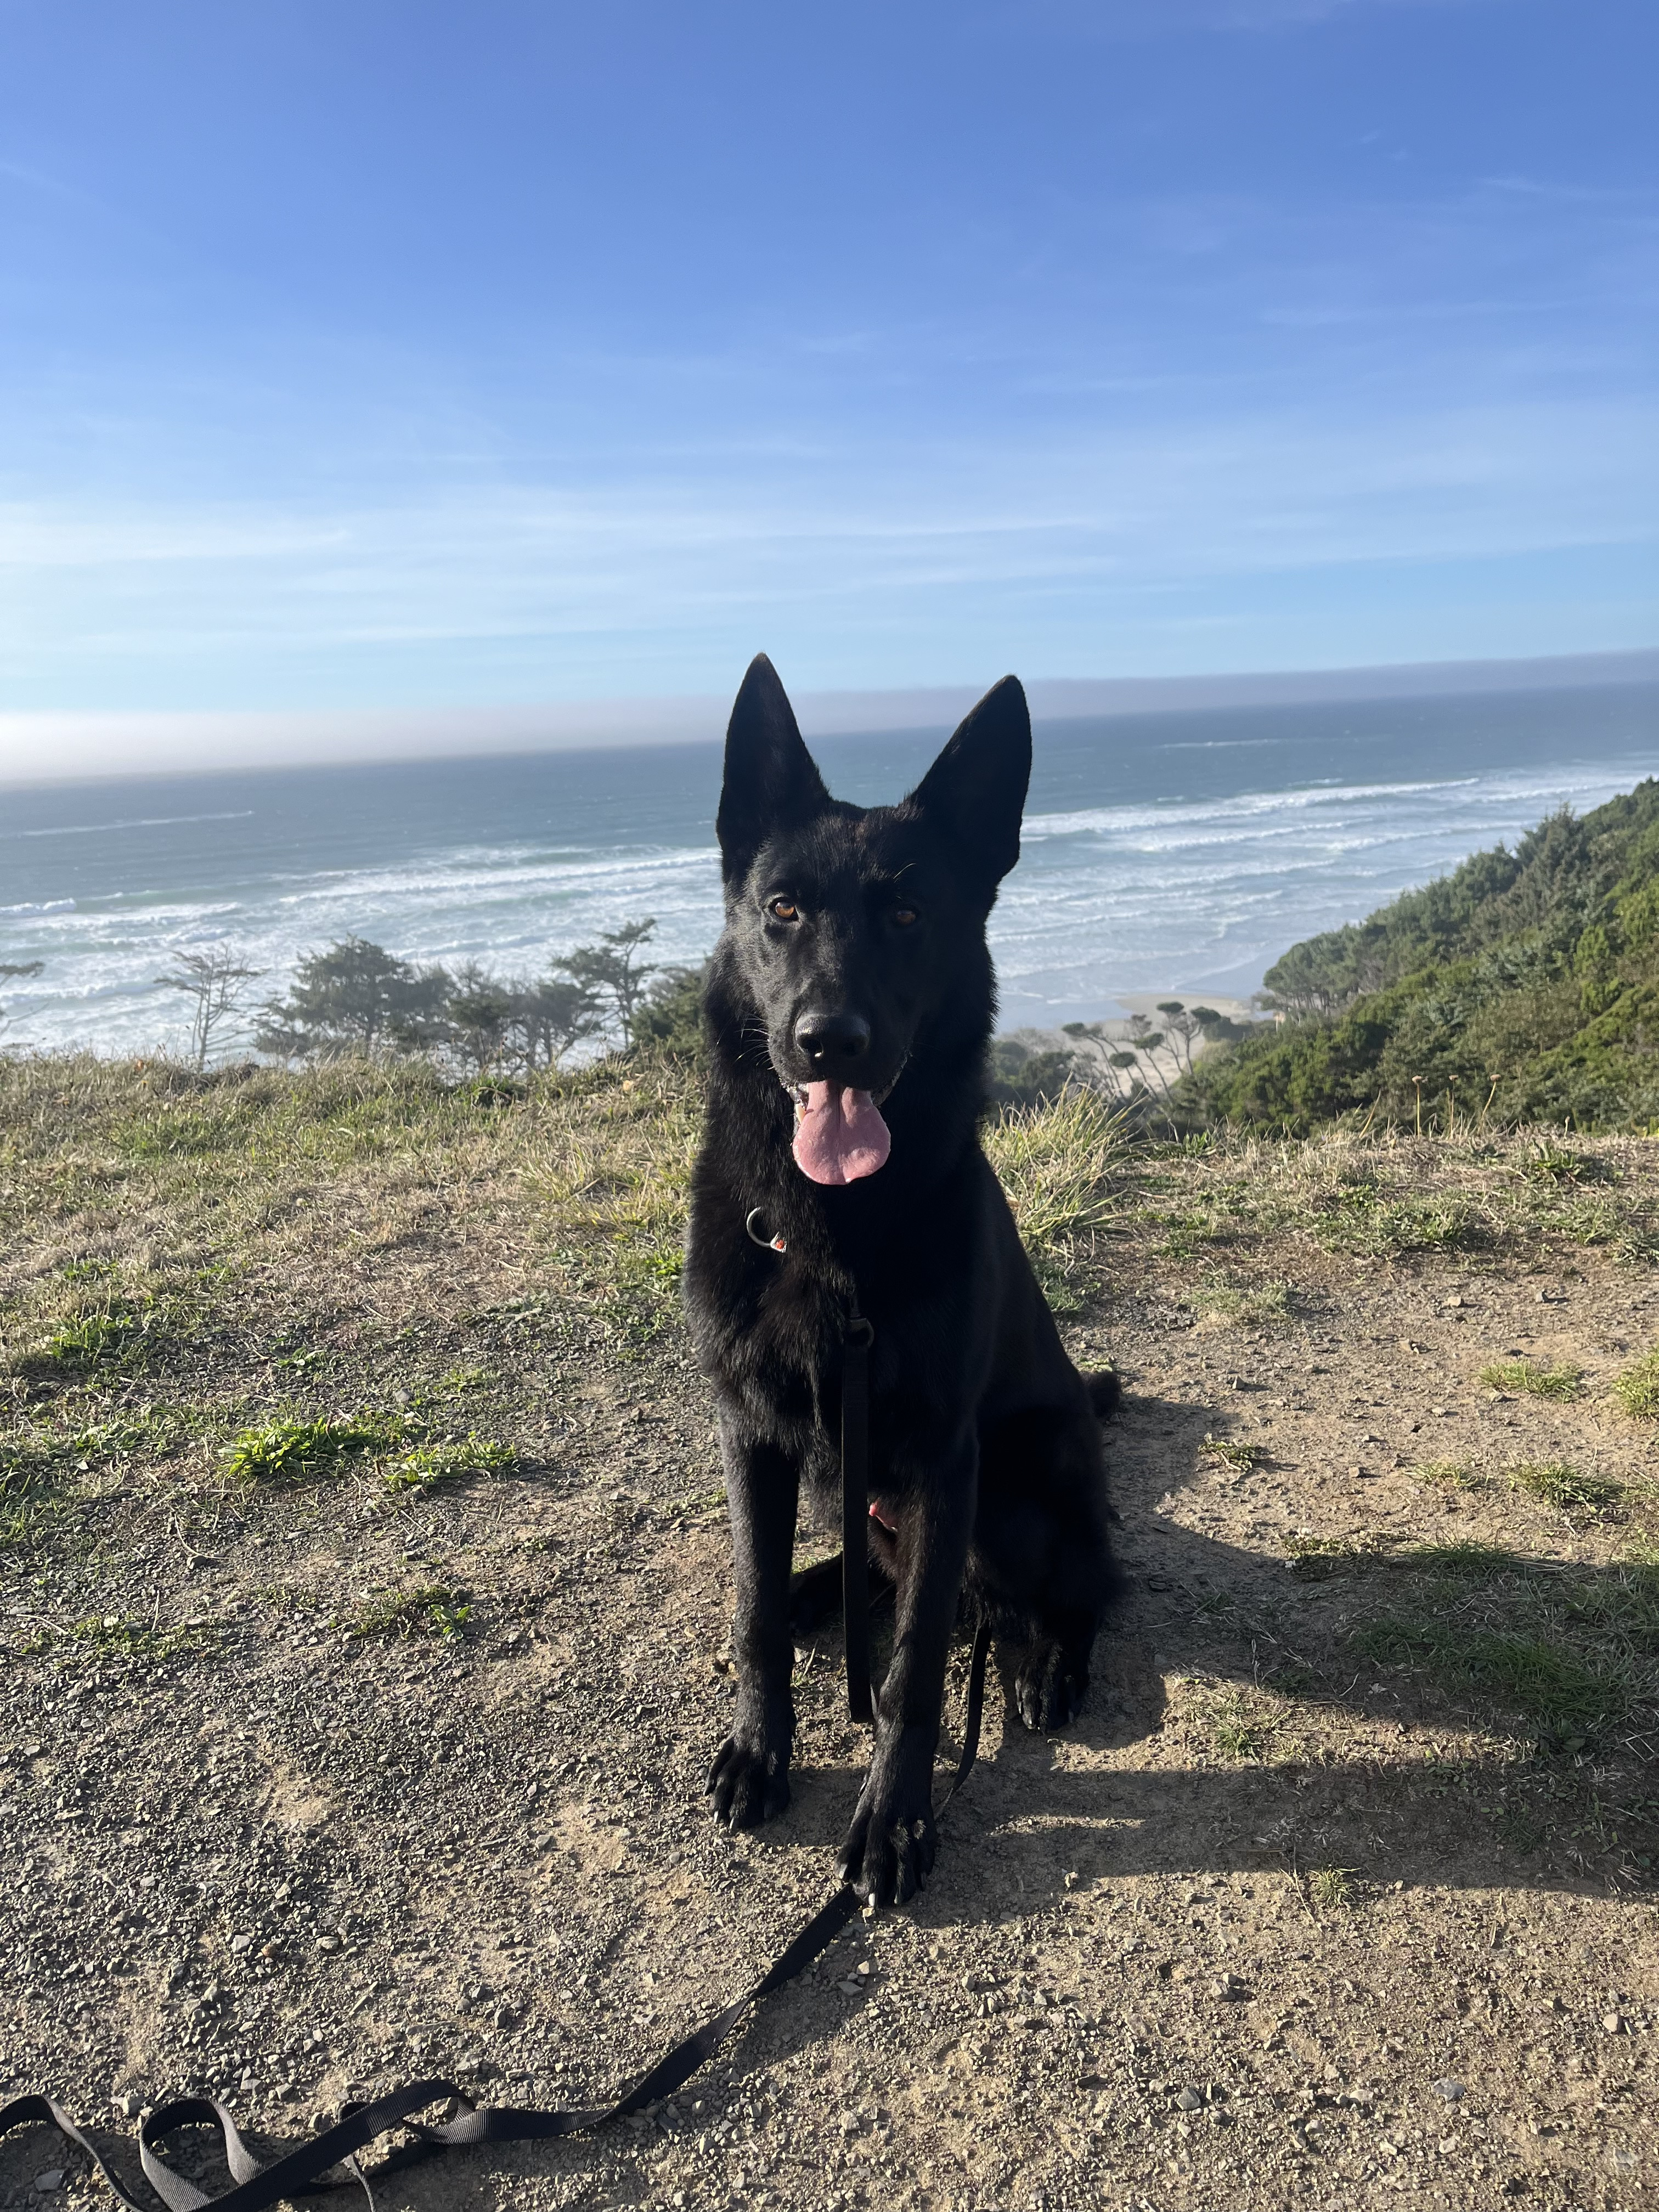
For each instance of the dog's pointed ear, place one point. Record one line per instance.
(977, 787)
(772, 782)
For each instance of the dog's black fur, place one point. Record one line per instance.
(985, 1455)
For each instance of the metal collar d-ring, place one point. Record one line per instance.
(755, 1226)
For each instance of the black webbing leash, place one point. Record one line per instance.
(855, 1512)
(305, 2168)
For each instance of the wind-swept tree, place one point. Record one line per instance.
(479, 1016)
(611, 970)
(215, 983)
(549, 1016)
(356, 997)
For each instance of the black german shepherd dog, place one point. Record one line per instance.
(849, 1005)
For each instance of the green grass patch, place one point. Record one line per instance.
(1534, 1675)
(1534, 1380)
(433, 1611)
(1237, 1458)
(1263, 1307)
(1547, 1161)
(427, 1465)
(1240, 1735)
(130, 1636)
(1363, 1218)
(1566, 1646)
(1313, 1558)
(1449, 1475)
(1638, 1389)
(120, 1333)
(1552, 1482)
(300, 1451)
(1332, 1888)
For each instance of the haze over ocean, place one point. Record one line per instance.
(1178, 852)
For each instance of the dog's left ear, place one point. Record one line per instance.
(977, 787)
(772, 782)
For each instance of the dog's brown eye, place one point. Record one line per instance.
(904, 916)
(783, 909)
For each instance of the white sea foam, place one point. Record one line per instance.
(1189, 895)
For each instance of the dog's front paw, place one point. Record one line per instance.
(749, 1781)
(891, 1844)
(1049, 1689)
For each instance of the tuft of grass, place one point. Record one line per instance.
(433, 1610)
(1313, 1557)
(1260, 1308)
(114, 1335)
(1332, 1888)
(1239, 1457)
(1361, 1217)
(427, 1465)
(1546, 1161)
(1552, 1482)
(1638, 1389)
(1449, 1475)
(1532, 1379)
(1055, 1162)
(1240, 1735)
(120, 1636)
(297, 1451)
(1463, 1562)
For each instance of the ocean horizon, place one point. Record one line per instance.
(1177, 853)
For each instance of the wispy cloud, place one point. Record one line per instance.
(634, 571)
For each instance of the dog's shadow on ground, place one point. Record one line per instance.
(1034, 1822)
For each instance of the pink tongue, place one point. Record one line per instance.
(840, 1134)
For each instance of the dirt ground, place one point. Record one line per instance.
(319, 1778)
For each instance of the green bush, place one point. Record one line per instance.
(1523, 987)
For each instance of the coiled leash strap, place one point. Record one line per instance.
(305, 2170)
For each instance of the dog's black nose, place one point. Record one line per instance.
(834, 1043)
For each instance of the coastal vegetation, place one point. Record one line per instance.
(1523, 988)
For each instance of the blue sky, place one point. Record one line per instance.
(360, 356)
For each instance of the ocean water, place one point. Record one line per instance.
(1177, 853)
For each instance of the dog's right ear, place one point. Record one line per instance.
(772, 782)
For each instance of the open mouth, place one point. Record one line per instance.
(840, 1136)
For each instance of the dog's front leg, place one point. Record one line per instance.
(749, 1779)
(890, 1848)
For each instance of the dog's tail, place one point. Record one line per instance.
(1105, 1390)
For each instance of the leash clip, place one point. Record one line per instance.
(755, 1229)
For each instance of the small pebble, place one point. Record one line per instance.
(1190, 2101)
(1612, 2022)
(51, 2180)
(1450, 2090)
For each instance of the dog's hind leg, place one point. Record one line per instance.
(1053, 1677)
(749, 1780)
(815, 1596)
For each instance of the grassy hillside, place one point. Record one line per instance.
(1525, 985)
